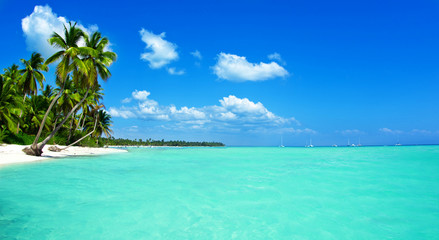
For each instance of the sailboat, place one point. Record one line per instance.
(349, 143)
(397, 143)
(310, 143)
(281, 142)
(359, 144)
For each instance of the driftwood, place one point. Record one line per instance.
(54, 149)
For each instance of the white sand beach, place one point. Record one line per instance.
(10, 154)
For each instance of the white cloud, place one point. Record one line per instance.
(140, 95)
(421, 131)
(172, 71)
(286, 130)
(232, 114)
(161, 52)
(350, 132)
(123, 113)
(39, 26)
(276, 57)
(197, 54)
(187, 113)
(242, 105)
(236, 68)
(226, 116)
(390, 131)
(126, 100)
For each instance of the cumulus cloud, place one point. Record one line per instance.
(390, 131)
(231, 114)
(121, 112)
(160, 52)
(197, 54)
(187, 113)
(140, 95)
(236, 68)
(39, 26)
(276, 57)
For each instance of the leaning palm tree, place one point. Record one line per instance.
(70, 62)
(95, 115)
(103, 125)
(97, 67)
(85, 64)
(31, 75)
(91, 102)
(68, 100)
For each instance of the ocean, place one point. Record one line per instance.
(226, 193)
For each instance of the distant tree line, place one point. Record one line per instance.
(149, 142)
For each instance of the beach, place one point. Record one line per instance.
(11, 154)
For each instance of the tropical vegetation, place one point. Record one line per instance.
(72, 112)
(64, 113)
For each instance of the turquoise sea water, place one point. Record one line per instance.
(226, 193)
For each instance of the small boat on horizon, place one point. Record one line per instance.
(349, 143)
(397, 143)
(310, 144)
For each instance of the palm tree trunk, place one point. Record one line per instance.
(71, 125)
(46, 140)
(79, 121)
(88, 134)
(21, 112)
(34, 150)
(54, 126)
(83, 122)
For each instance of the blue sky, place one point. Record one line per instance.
(249, 72)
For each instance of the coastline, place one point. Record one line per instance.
(12, 154)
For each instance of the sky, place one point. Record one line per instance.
(248, 73)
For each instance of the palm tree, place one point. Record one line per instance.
(68, 100)
(12, 73)
(70, 61)
(98, 64)
(30, 75)
(103, 125)
(10, 103)
(85, 64)
(91, 102)
(36, 106)
(48, 92)
(95, 115)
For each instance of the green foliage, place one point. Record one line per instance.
(20, 139)
(10, 102)
(3, 134)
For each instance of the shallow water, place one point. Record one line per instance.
(226, 193)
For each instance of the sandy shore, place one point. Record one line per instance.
(10, 154)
